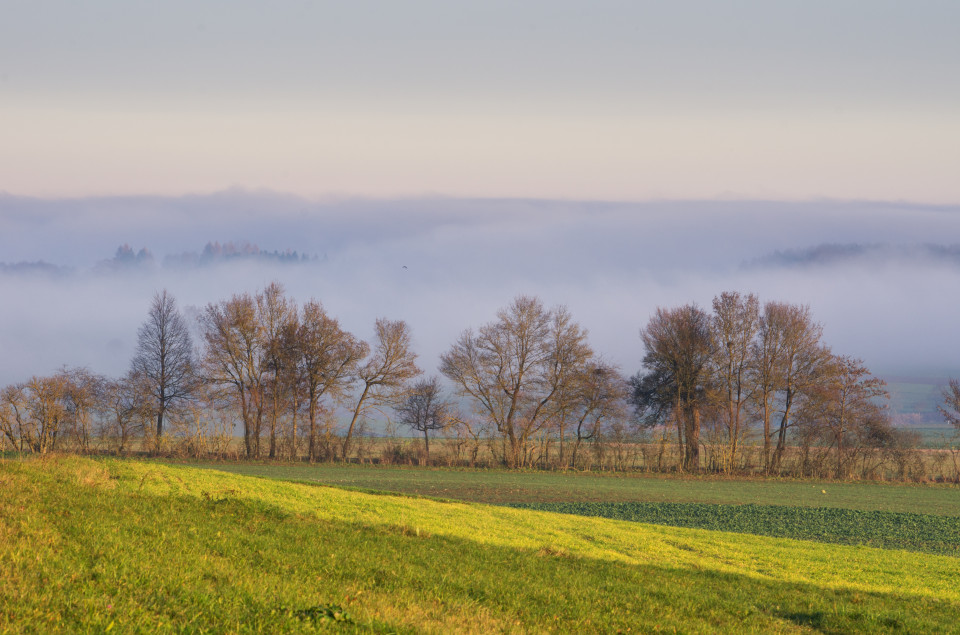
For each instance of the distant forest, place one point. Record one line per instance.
(127, 258)
(742, 388)
(821, 255)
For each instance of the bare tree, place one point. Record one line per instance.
(328, 358)
(600, 394)
(384, 376)
(13, 414)
(39, 411)
(733, 326)
(165, 357)
(514, 369)
(842, 404)
(278, 317)
(235, 358)
(767, 370)
(794, 338)
(425, 410)
(82, 396)
(122, 405)
(676, 380)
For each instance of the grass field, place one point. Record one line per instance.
(124, 546)
(504, 486)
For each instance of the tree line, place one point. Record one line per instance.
(741, 387)
(743, 370)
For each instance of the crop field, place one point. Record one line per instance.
(122, 546)
(889, 530)
(506, 486)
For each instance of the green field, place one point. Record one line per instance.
(124, 546)
(505, 486)
(896, 516)
(888, 530)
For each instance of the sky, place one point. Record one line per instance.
(560, 99)
(438, 158)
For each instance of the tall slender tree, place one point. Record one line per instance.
(386, 373)
(328, 357)
(766, 368)
(278, 318)
(733, 326)
(800, 361)
(165, 359)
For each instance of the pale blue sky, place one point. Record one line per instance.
(560, 99)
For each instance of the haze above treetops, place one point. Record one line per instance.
(879, 276)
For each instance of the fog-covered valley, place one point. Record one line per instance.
(77, 275)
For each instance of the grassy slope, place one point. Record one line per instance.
(500, 486)
(86, 544)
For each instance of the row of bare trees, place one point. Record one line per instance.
(275, 366)
(743, 380)
(743, 370)
(72, 406)
(276, 362)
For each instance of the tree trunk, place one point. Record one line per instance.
(245, 414)
(312, 418)
(514, 459)
(692, 453)
(161, 408)
(766, 434)
(782, 433)
(159, 430)
(273, 432)
(356, 415)
(293, 432)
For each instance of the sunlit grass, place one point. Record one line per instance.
(87, 544)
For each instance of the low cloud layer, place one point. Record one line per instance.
(882, 278)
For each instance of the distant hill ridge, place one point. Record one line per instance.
(826, 254)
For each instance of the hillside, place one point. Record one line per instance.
(121, 546)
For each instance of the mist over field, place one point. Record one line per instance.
(881, 277)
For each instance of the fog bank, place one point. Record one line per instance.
(881, 277)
